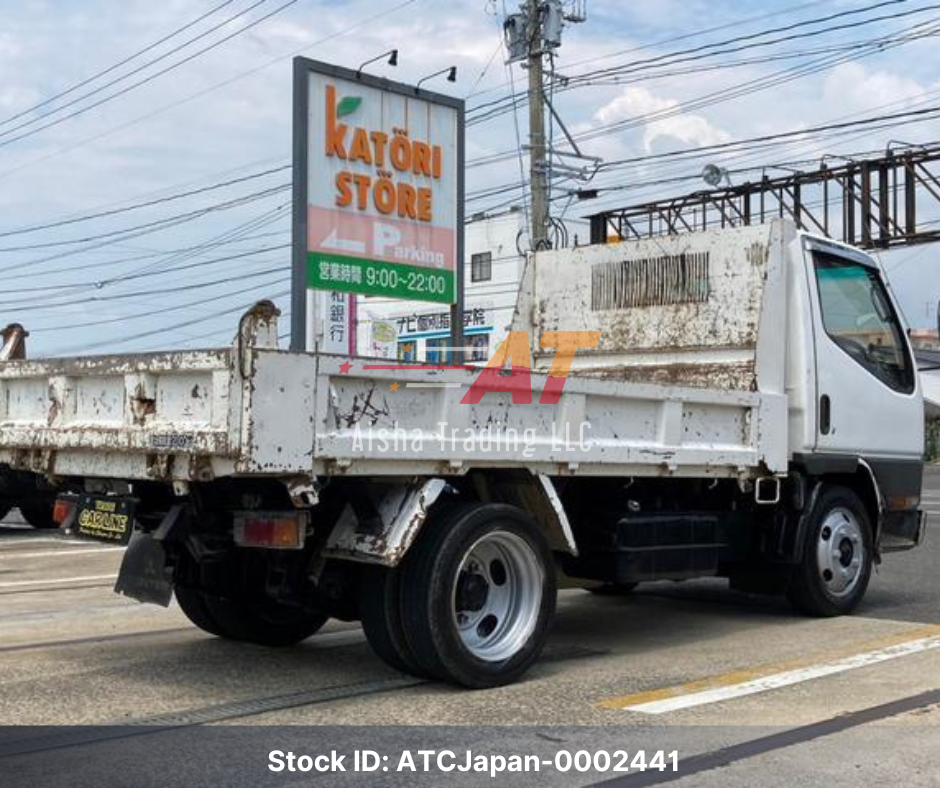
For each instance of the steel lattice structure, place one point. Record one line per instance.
(875, 203)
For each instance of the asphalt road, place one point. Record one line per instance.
(745, 690)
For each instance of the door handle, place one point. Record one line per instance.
(825, 414)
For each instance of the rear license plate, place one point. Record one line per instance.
(104, 519)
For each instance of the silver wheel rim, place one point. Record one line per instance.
(497, 596)
(840, 552)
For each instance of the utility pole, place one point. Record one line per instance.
(530, 35)
(538, 161)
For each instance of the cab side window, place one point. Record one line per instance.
(860, 319)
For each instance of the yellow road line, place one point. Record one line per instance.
(789, 672)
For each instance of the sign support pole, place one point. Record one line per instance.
(457, 308)
(300, 341)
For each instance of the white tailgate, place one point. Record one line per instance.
(85, 415)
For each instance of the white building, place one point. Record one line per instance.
(415, 331)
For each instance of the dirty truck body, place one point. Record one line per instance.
(750, 410)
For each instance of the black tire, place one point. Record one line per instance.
(264, 622)
(192, 602)
(433, 582)
(380, 612)
(613, 589)
(838, 551)
(226, 599)
(38, 514)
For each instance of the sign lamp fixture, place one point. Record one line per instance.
(451, 76)
(392, 55)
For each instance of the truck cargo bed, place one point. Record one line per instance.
(199, 415)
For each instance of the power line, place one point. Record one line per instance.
(756, 85)
(40, 305)
(685, 55)
(669, 59)
(151, 78)
(675, 39)
(163, 330)
(912, 116)
(135, 275)
(160, 223)
(197, 250)
(149, 313)
(148, 204)
(125, 61)
(239, 232)
(205, 91)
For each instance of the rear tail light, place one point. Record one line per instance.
(271, 530)
(64, 511)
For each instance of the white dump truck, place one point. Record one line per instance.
(750, 409)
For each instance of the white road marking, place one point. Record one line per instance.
(57, 553)
(56, 581)
(18, 540)
(785, 679)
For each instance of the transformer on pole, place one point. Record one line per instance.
(531, 35)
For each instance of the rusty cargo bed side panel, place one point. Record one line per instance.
(151, 405)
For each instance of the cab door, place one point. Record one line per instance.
(868, 397)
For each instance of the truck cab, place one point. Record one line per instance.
(856, 400)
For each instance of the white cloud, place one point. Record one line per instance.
(637, 102)
(852, 85)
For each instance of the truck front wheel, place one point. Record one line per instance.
(478, 595)
(833, 574)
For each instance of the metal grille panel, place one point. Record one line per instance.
(654, 281)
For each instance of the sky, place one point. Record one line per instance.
(225, 114)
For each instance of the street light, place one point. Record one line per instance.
(451, 76)
(713, 175)
(392, 55)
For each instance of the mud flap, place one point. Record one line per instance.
(144, 575)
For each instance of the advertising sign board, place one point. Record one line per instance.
(378, 190)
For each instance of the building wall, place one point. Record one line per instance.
(924, 339)
(414, 331)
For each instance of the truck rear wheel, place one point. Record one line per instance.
(193, 604)
(833, 575)
(38, 514)
(478, 595)
(234, 605)
(263, 621)
(380, 612)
